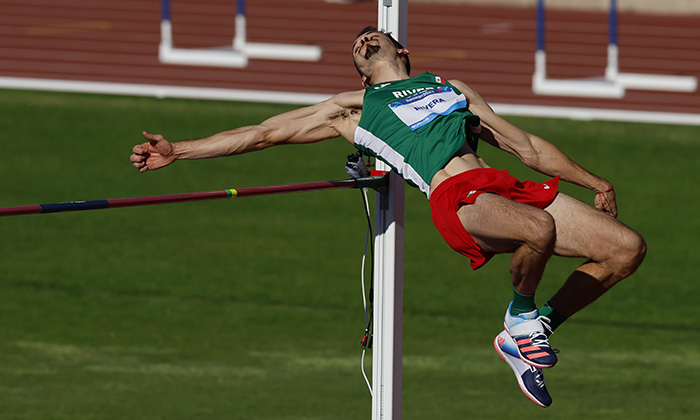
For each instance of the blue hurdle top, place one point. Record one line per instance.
(612, 35)
(613, 22)
(540, 25)
(165, 9)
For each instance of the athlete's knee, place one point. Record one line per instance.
(628, 255)
(541, 232)
(635, 249)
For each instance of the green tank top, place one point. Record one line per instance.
(415, 125)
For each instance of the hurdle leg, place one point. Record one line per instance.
(542, 85)
(637, 80)
(269, 51)
(236, 55)
(169, 54)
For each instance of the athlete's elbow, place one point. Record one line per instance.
(530, 158)
(267, 136)
(261, 137)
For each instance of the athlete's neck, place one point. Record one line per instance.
(386, 72)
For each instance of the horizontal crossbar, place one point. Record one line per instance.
(368, 182)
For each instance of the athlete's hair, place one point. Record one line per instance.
(397, 44)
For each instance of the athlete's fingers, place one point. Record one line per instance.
(605, 201)
(141, 166)
(138, 157)
(158, 144)
(153, 139)
(141, 149)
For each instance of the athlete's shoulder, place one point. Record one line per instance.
(461, 86)
(472, 96)
(352, 99)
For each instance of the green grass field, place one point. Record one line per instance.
(251, 308)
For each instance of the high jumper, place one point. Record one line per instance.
(427, 129)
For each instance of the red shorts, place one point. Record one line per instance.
(463, 188)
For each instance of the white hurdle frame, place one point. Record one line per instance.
(541, 85)
(636, 80)
(614, 83)
(387, 349)
(237, 54)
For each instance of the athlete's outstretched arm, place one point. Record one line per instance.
(311, 124)
(536, 152)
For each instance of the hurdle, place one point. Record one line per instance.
(636, 80)
(542, 85)
(614, 83)
(235, 55)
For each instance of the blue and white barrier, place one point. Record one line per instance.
(542, 85)
(636, 80)
(237, 54)
(614, 83)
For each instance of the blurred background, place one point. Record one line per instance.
(488, 44)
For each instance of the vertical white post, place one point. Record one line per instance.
(240, 36)
(611, 71)
(388, 274)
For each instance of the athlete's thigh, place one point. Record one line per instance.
(584, 231)
(499, 224)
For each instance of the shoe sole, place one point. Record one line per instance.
(517, 377)
(529, 362)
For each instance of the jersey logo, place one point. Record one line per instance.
(381, 86)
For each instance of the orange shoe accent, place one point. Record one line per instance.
(536, 355)
(530, 348)
(524, 341)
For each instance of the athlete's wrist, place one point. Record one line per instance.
(601, 185)
(180, 150)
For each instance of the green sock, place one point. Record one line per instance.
(555, 318)
(522, 303)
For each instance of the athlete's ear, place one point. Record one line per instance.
(365, 81)
(403, 51)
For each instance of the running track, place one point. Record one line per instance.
(490, 48)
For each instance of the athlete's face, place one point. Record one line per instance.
(370, 47)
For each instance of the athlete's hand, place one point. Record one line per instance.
(154, 154)
(605, 201)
